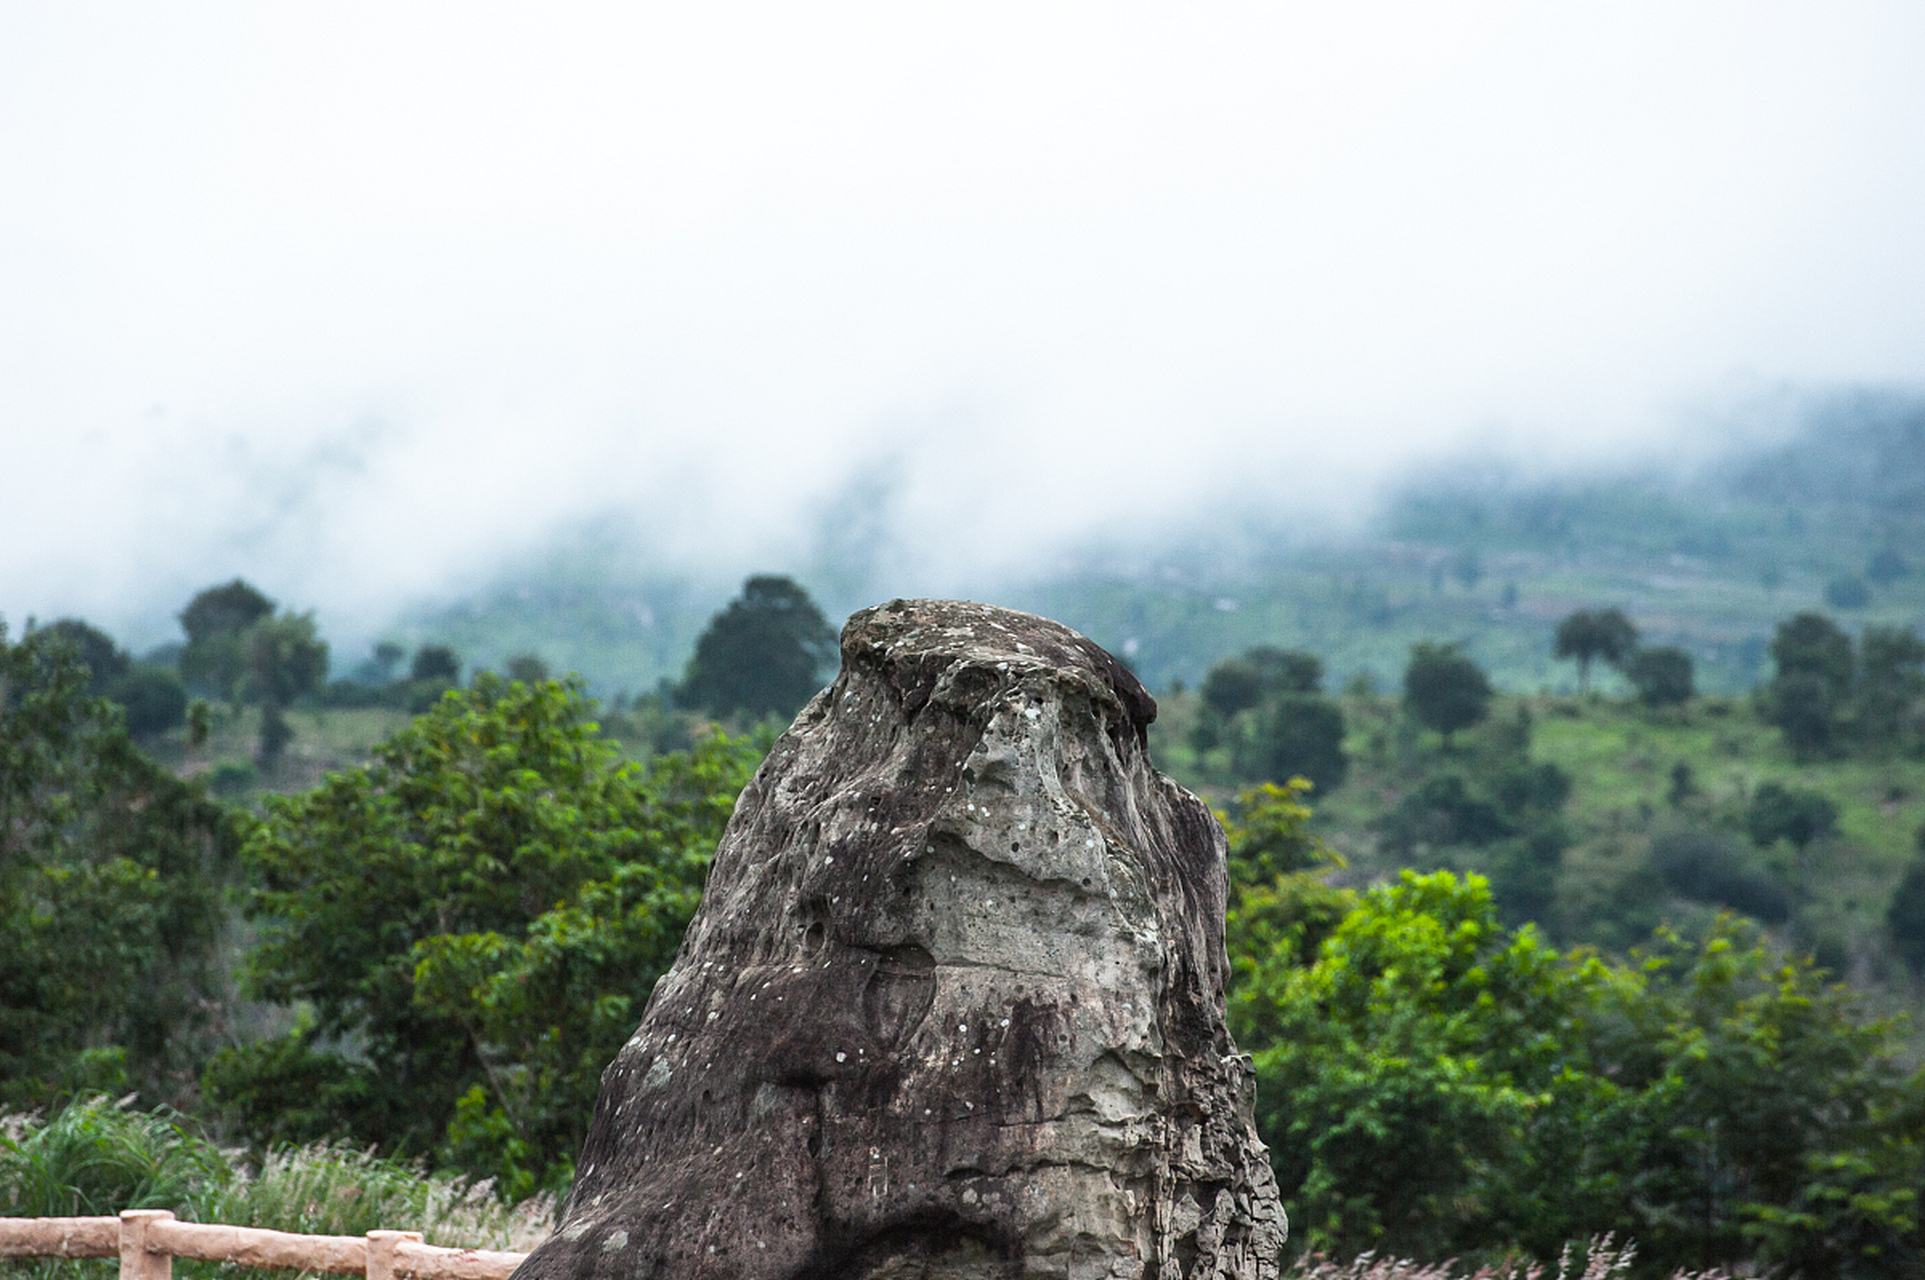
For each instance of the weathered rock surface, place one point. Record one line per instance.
(953, 1003)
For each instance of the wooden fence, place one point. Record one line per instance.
(148, 1240)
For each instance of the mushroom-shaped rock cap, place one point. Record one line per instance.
(952, 1005)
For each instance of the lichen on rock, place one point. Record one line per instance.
(952, 1006)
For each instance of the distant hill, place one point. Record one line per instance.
(1477, 553)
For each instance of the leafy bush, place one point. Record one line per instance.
(1711, 867)
(111, 872)
(97, 1157)
(1435, 1085)
(475, 920)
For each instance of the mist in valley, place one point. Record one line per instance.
(518, 332)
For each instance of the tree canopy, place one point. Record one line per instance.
(762, 655)
(215, 661)
(1589, 634)
(1662, 675)
(482, 910)
(1445, 690)
(1433, 1084)
(111, 873)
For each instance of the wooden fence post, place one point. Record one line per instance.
(137, 1262)
(381, 1251)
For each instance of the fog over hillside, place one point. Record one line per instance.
(392, 312)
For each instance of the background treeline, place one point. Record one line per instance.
(1538, 967)
(1812, 506)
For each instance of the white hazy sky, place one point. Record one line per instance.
(353, 298)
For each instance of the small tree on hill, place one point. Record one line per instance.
(437, 663)
(1813, 684)
(215, 661)
(762, 655)
(1589, 634)
(105, 660)
(1905, 917)
(1778, 812)
(1445, 690)
(111, 914)
(1891, 683)
(1662, 676)
(1297, 735)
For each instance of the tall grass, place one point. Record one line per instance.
(1601, 1258)
(98, 1156)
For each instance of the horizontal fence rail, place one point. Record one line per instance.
(148, 1240)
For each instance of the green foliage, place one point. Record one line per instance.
(1268, 707)
(1495, 811)
(1589, 634)
(1444, 689)
(286, 659)
(153, 698)
(215, 661)
(1905, 915)
(527, 668)
(105, 661)
(1813, 684)
(1891, 691)
(1268, 834)
(110, 880)
(224, 610)
(435, 663)
(96, 1157)
(763, 655)
(1662, 675)
(1778, 812)
(1710, 866)
(1432, 1083)
(475, 920)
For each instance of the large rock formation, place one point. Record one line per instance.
(953, 1003)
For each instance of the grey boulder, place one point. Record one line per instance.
(952, 1006)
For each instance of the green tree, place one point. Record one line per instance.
(105, 661)
(1662, 675)
(1812, 644)
(527, 668)
(111, 874)
(1445, 690)
(1891, 684)
(437, 664)
(1295, 735)
(1589, 634)
(153, 698)
(1778, 812)
(1813, 684)
(1905, 915)
(1233, 685)
(1268, 834)
(1431, 1084)
(1269, 705)
(215, 660)
(286, 660)
(1805, 710)
(481, 911)
(763, 655)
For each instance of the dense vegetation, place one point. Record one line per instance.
(1538, 966)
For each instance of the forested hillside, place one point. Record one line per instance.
(1578, 864)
